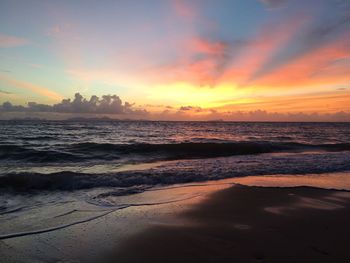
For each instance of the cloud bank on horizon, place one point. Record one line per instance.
(112, 106)
(107, 104)
(189, 57)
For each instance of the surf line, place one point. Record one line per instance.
(188, 185)
(120, 207)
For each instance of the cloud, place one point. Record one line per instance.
(186, 108)
(11, 41)
(201, 62)
(43, 91)
(55, 30)
(328, 65)
(315, 35)
(211, 60)
(113, 105)
(251, 54)
(273, 3)
(262, 115)
(191, 108)
(183, 9)
(107, 104)
(5, 92)
(254, 115)
(215, 53)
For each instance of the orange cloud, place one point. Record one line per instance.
(329, 102)
(32, 87)
(327, 65)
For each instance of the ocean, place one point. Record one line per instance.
(52, 155)
(66, 166)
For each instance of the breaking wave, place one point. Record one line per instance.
(104, 151)
(181, 171)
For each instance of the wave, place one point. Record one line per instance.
(37, 138)
(181, 171)
(21, 153)
(148, 152)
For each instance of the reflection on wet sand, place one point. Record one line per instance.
(250, 224)
(340, 181)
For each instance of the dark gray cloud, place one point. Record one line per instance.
(107, 104)
(191, 108)
(186, 108)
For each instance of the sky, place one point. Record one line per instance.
(176, 59)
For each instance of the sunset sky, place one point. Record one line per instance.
(180, 59)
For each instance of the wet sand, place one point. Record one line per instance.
(250, 224)
(271, 219)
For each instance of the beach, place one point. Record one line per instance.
(251, 224)
(220, 221)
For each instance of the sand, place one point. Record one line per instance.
(250, 224)
(271, 219)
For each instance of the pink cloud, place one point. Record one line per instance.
(183, 9)
(200, 62)
(326, 65)
(203, 61)
(270, 39)
(11, 41)
(200, 45)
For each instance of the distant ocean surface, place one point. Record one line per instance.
(53, 155)
(57, 174)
